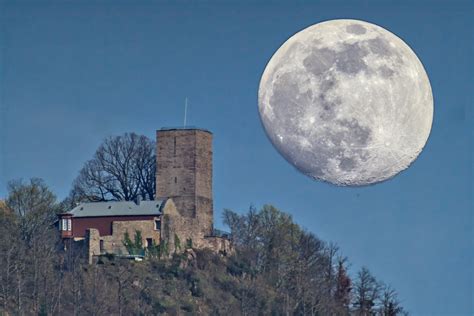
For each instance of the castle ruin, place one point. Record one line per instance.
(181, 212)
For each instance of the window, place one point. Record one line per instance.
(149, 242)
(175, 146)
(157, 224)
(65, 224)
(69, 224)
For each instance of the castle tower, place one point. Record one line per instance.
(184, 173)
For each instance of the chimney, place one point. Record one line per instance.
(139, 199)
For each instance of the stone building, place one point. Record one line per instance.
(182, 211)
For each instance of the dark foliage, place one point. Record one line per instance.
(123, 169)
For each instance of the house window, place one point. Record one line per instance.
(157, 224)
(66, 224)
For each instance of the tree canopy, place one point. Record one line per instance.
(123, 169)
(309, 276)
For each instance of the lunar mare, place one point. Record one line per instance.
(347, 102)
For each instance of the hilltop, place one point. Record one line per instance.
(277, 268)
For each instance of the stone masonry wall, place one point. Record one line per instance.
(184, 173)
(92, 243)
(114, 243)
(217, 244)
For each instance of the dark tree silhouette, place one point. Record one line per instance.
(123, 168)
(367, 293)
(390, 306)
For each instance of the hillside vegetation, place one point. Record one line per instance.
(277, 269)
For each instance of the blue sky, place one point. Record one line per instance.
(72, 73)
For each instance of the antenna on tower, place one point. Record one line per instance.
(185, 110)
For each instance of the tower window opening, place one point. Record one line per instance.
(157, 224)
(149, 243)
(174, 147)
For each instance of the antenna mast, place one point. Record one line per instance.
(185, 110)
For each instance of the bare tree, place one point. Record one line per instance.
(390, 305)
(366, 294)
(29, 240)
(122, 169)
(29, 197)
(124, 279)
(10, 250)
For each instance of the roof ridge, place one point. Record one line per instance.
(118, 208)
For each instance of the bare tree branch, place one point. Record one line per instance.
(122, 169)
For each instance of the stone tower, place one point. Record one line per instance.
(184, 173)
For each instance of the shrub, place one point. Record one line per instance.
(134, 247)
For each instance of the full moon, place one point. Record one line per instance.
(346, 102)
